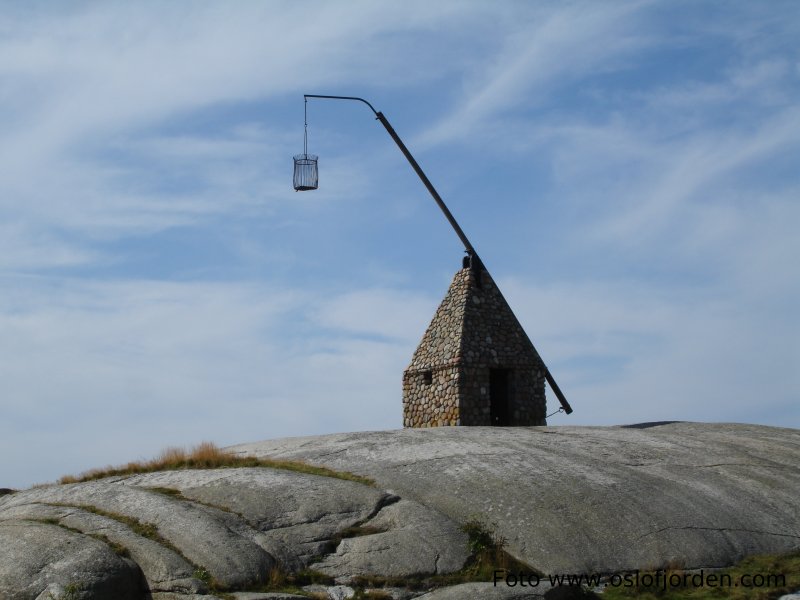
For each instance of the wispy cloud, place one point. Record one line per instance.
(546, 49)
(168, 362)
(689, 167)
(83, 83)
(628, 354)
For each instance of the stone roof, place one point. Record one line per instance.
(474, 325)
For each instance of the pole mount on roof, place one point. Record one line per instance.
(475, 261)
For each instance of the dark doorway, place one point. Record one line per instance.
(498, 396)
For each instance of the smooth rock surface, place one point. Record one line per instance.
(199, 533)
(180, 529)
(291, 515)
(163, 568)
(416, 541)
(566, 499)
(585, 499)
(36, 555)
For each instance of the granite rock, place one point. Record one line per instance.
(565, 499)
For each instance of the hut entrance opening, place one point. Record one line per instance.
(499, 396)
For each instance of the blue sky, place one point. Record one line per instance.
(628, 171)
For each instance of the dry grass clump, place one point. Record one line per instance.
(207, 455)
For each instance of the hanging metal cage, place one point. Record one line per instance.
(306, 176)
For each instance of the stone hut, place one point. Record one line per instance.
(475, 365)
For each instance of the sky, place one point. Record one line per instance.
(628, 172)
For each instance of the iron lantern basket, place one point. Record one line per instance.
(306, 176)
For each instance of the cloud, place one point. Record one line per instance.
(113, 114)
(25, 247)
(624, 353)
(693, 166)
(388, 313)
(169, 363)
(681, 169)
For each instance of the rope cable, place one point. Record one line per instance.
(305, 128)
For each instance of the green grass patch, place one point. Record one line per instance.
(165, 491)
(146, 530)
(359, 531)
(56, 522)
(488, 553)
(116, 547)
(760, 577)
(208, 456)
(372, 594)
(178, 495)
(203, 575)
(280, 581)
(353, 531)
(72, 591)
(46, 521)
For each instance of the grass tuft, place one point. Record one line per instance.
(116, 547)
(349, 532)
(146, 530)
(206, 455)
(488, 554)
(72, 591)
(281, 581)
(165, 491)
(760, 577)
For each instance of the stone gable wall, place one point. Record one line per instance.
(527, 404)
(433, 404)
